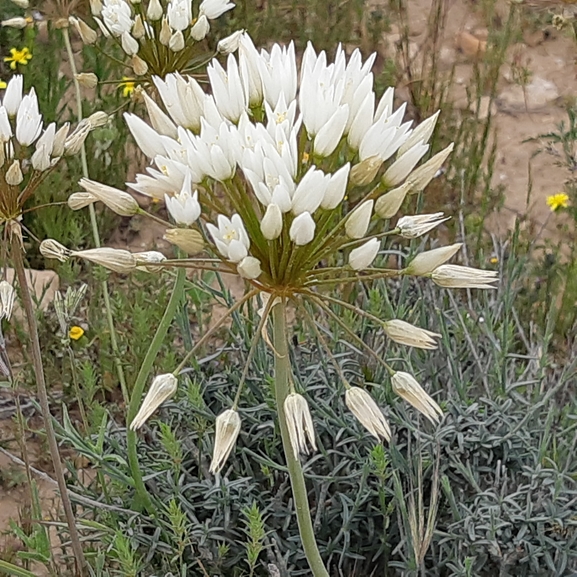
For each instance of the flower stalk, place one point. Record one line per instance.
(299, 490)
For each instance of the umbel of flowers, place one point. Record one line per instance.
(292, 179)
(158, 37)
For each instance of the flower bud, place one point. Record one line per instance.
(419, 224)
(249, 268)
(421, 133)
(176, 42)
(14, 175)
(17, 22)
(271, 223)
(421, 176)
(21, 3)
(160, 121)
(363, 256)
(188, 240)
(200, 29)
(455, 276)
(364, 408)
(138, 30)
(402, 167)
(230, 44)
(336, 188)
(162, 388)
(406, 386)
(365, 171)
(60, 139)
(129, 44)
(165, 32)
(87, 35)
(74, 142)
(95, 7)
(139, 66)
(146, 260)
(184, 207)
(358, 222)
(118, 260)
(13, 95)
(116, 200)
(7, 296)
(300, 424)
(97, 119)
(87, 79)
(154, 10)
(50, 248)
(389, 204)
(302, 229)
(427, 262)
(227, 430)
(409, 335)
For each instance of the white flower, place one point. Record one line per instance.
(176, 42)
(17, 22)
(154, 10)
(118, 260)
(426, 262)
(249, 268)
(454, 276)
(212, 9)
(271, 223)
(116, 200)
(336, 188)
(13, 95)
(302, 229)
(249, 69)
(358, 222)
(230, 93)
(5, 128)
(227, 430)
(7, 296)
(200, 29)
(60, 140)
(230, 237)
(421, 133)
(179, 14)
(421, 176)
(364, 408)
(415, 226)
(216, 151)
(165, 32)
(300, 424)
(41, 157)
(407, 334)
(14, 174)
(87, 35)
(146, 138)
(231, 43)
(117, 16)
(129, 44)
(162, 388)
(310, 191)
(278, 72)
(184, 206)
(385, 136)
(363, 256)
(159, 120)
(404, 164)
(389, 204)
(28, 120)
(406, 386)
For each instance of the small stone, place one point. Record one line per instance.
(532, 97)
(470, 46)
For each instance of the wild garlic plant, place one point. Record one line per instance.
(29, 152)
(291, 177)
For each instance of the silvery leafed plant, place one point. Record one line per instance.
(292, 179)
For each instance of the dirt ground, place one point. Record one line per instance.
(519, 113)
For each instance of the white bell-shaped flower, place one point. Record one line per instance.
(230, 237)
(184, 206)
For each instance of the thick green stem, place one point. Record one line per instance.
(94, 224)
(30, 314)
(299, 489)
(138, 390)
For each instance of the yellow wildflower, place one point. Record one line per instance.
(494, 260)
(76, 333)
(127, 86)
(2, 85)
(557, 201)
(18, 57)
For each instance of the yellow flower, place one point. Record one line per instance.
(493, 260)
(2, 85)
(557, 201)
(76, 333)
(18, 57)
(127, 86)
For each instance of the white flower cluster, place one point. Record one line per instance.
(331, 108)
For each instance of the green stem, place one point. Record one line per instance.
(299, 490)
(94, 225)
(30, 315)
(138, 390)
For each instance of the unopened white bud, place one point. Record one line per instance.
(271, 223)
(389, 204)
(129, 44)
(87, 79)
(17, 22)
(407, 387)
(363, 256)
(21, 3)
(402, 167)
(7, 296)
(162, 388)
(74, 142)
(249, 268)
(419, 224)
(160, 121)
(300, 424)
(358, 222)
(50, 248)
(154, 10)
(188, 240)
(14, 175)
(138, 30)
(231, 43)
(364, 408)
(336, 188)
(455, 276)
(409, 335)
(176, 42)
(227, 430)
(302, 230)
(421, 133)
(95, 7)
(118, 260)
(165, 32)
(116, 200)
(87, 35)
(421, 176)
(79, 200)
(365, 171)
(426, 262)
(139, 66)
(200, 29)
(147, 260)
